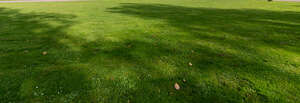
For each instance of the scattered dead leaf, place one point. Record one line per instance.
(190, 64)
(176, 86)
(45, 53)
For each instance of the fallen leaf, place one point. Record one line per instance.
(176, 86)
(190, 64)
(45, 53)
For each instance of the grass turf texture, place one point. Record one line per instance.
(136, 50)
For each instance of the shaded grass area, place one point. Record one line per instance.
(238, 55)
(25, 73)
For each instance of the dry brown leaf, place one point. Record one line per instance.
(184, 80)
(176, 86)
(190, 64)
(45, 53)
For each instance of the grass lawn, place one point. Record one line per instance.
(134, 51)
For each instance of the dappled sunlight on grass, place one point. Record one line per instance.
(136, 52)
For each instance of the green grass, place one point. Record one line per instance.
(136, 50)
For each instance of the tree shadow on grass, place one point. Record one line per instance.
(144, 69)
(29, 76)
(232, 33)
(271, 28)
(216, 76)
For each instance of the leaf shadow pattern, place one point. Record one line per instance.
(144, 69)
(233, 79)
(271, 28)
(26, 74)
(240, 78)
